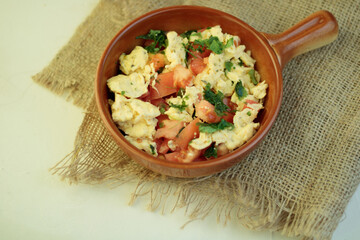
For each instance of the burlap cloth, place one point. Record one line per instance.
(301, 177)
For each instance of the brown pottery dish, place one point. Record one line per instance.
(271, 52)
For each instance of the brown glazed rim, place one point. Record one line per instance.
(241, 151)
(279, 47)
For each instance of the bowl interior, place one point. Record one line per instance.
(180, 19)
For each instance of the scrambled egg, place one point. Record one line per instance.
(135, 60)
(137, 118)
(132, 86)
(259, 91)
(215, 31)
(175, 51)
(143, 143)
(213, 71)
(190, 98)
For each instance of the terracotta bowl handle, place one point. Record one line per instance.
(317, 30)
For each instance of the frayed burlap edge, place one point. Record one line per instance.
(244, 203)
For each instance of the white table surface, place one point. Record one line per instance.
(38, 129)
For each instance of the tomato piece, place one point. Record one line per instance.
(206, 112)
(190, 132)
(164, 86)
(237, 43)
(203, 53)
(158, 60)
(161, 119)
(160, 102)
(229, 117)
(246, 106)
(227, 101)
(148, 42)
(222, 149)
(197, 65)
(170, 129)
(173, 157)
(249, 101)
(158, 143)
(182, 77)
(164, 148)
(185, 156)
(145, 97)
(191, 154)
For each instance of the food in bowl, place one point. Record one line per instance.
(188, 97)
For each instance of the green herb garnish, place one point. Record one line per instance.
(196, 34)
(214, 127)
(122, 93)
(187, 50)
(214, 44)
(240, 90)
(228, 65)
(187, 34)
(211, 152)
(159, 38)
(162, 108)
(252, 76)
(241, 63)
(161, 124)
(248, 113)
(177, 135)
(229, 43)
(215, 99)
(181, 106)
(181, 92)
(152, 149)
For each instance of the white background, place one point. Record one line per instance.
(38, 129)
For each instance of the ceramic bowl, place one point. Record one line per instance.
(271, 51)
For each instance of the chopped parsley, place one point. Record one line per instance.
(214, 44)
(211, 152)
(159, 40)
(181, 92)
(228, 65)
(248, 113)
(162, 108)
(215, 99)
(177, 135)
(213, 127)
(196, 34)
(181, 106)
(187, 34)
(240, 90)
(123, 93)
(229, 43)
(252, 76)
(152, 149)
(161, 124)
(187, 50)
(241, 63)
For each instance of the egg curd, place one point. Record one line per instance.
(188, 97)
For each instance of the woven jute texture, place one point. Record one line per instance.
(301, 177)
